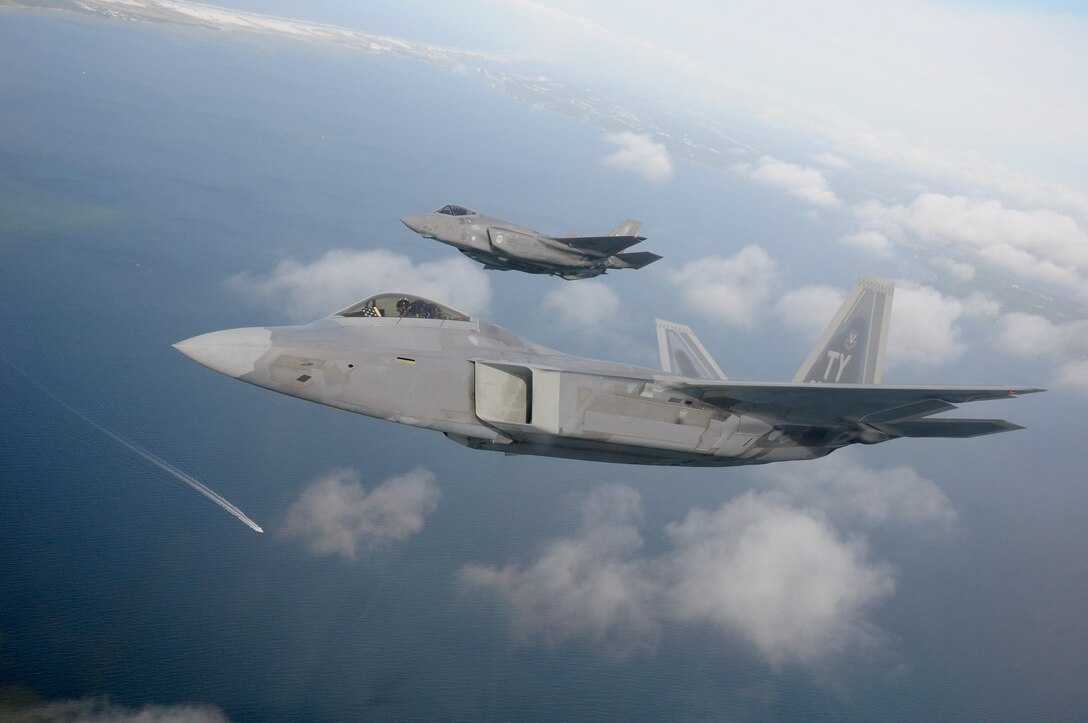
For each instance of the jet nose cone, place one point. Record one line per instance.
(413, 222)
(233, 352)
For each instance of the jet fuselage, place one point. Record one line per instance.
(505, 246)
(487, 388)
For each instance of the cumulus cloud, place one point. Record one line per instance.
(343, 276)
(588, 587)
(781, 578)
(924, 331)
(1064, 345)
(584, 307)
(728, 289)
(958, 269)
(641, 154)
(808, 309)
(871, 241)
(807, 184)
(101, 710)
(1039, 244)
(336, 515)
(787, 571)
(830, 160)
(853, 494)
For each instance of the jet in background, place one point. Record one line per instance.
(411, 360)
(504, 246)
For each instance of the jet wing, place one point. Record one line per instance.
(833, 404)
(600, 245)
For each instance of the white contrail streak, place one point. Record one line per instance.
(155, 460)
(183, 476)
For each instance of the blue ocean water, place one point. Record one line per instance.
(140, 166)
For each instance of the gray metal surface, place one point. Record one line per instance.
(410, 360)
(504, 246)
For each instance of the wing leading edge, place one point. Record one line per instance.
(896, 410)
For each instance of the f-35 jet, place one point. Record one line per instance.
(505, 246)
(411, 360)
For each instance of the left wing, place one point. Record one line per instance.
(899, 409)
(600, 245)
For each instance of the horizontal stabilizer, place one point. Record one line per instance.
(628, 227)
(830, 404)
(951, 428)
(635, 259)
(600, 245)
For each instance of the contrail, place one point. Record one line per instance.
(154, 459)
(167, 467)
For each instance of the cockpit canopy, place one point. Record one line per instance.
(452, 210)
(402, 306)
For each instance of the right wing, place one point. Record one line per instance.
(898, 410)
(600, 245)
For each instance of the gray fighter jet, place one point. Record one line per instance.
(407, 359)
(504, 246)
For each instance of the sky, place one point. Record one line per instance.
(954, 129)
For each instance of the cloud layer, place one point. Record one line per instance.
(641, 154)
(101, 710)
(924, 332)
(730, 289)
(342, 276)
(786, 571)
(1064, 345)
(590, 587)
(584, 307)
(1039, 245)
(808, 184)
(336, 515)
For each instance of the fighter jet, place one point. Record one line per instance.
(504, 246)
(407, 359)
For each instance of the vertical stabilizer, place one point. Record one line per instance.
(851, 349)
(628, 227)
(683, 354)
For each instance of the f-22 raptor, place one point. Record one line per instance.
(505, 246)
(407, 359)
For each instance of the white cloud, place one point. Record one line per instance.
(809, 308)
(923, 329)
(830, 160)
(782, 579)
(807, 184)
(336, 515)
(730, 289)
(1028, 335)
(962, 271)
(1015, 94)
(1073, 375)
(589, 587)
(871, 241)
(788, 571)
(1039, 244)
(641, 154)
(981, 305)
(585, 307)
(850, 493)
(343, 276)
(101, 710)
(1064, 345)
